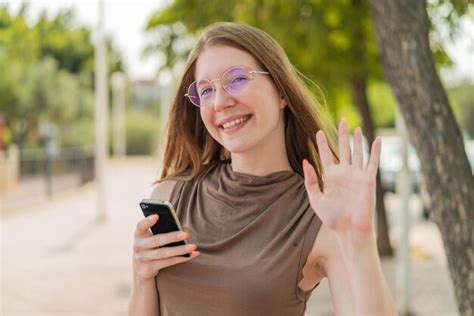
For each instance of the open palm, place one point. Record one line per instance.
(347, 202)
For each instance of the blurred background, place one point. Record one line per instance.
(69, 195)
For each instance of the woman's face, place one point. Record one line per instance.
(258, 107)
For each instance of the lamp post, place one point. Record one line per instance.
(119, 83)
(101, 116)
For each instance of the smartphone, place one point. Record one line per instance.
(167, 221)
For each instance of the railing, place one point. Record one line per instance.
(36, 176)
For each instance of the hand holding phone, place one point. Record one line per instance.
(168, 221)
(153, 252)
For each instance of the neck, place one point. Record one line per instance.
(259, 167)
(268, 157)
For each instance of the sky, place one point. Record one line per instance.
(125, 22)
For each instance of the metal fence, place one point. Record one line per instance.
(41, 175)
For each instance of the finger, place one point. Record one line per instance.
(374, 157)
(344, 147)
(168, 252)
(358, 158)
(324, 151)
(310, 178)
(161, 264)
(161, 240)
(156, 241)
(145, 224)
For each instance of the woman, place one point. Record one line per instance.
(240, 126)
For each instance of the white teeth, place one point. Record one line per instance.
(235, 122)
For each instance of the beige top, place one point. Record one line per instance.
(254, 234)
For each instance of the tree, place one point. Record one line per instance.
(47, 70)
(402, 29)
(50, 94)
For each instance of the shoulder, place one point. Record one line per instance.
(163, 190)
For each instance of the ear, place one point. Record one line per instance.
(283, 102)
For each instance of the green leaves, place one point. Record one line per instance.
(47, 69)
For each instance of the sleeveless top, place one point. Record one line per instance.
(254, 234)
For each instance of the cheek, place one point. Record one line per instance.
(206, 117)
(267, 107)
(264, 98)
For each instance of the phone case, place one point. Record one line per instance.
(167, 222)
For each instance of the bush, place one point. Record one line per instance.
(78, 133)
(143, 132)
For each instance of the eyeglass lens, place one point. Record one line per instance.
(234, 81)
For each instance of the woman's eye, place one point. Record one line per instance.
(238, 79)
(205, 92)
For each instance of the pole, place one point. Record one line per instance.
(404, 191)
(101, 113)
(119, 83)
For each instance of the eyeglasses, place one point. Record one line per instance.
(234, 80)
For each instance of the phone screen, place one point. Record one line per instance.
(166, 222)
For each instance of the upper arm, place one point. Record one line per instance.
(330, 260)
(163, 190)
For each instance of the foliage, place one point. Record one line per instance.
(143, 133)
(462, 101)
(49, 92)
(79, 133)
(69, 46)
(383, 104)
(47, 71)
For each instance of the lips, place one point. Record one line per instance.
(234, 121)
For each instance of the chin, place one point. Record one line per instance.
(236, 147)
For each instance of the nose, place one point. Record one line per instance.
(222, 99)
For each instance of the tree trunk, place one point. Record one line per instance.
(402, 34)
(362, 102)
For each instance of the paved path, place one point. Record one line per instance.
(57, 261)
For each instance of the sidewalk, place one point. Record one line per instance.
(57, 261)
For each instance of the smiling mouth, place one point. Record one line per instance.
(235, 122)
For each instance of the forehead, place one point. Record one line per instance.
(214, 60)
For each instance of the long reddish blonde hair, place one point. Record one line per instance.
(190, 149)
